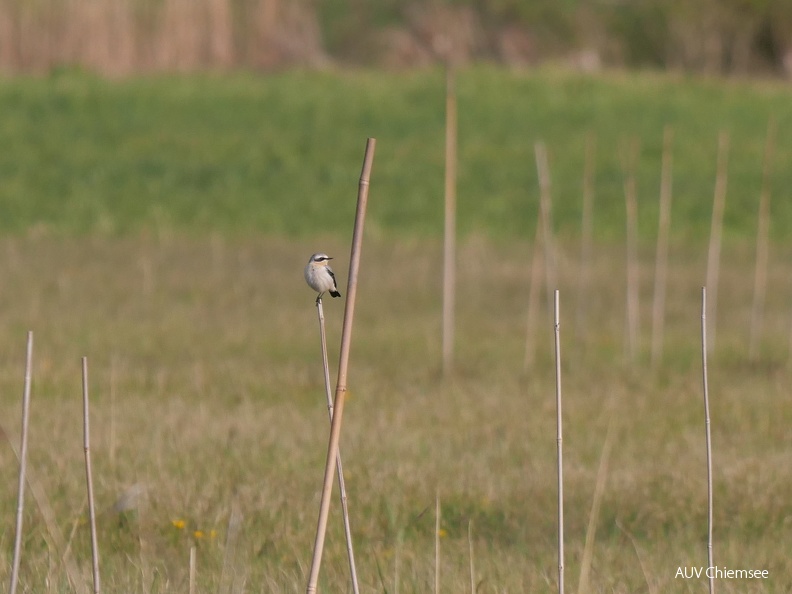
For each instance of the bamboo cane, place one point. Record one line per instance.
(22, 466)
(89, 480)
(339, 466)
(559, 447)
(341, 385)
(708, 435)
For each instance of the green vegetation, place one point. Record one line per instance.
(245, 154)
(159, 226)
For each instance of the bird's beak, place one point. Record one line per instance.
(329, 258)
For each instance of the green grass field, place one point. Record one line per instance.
(246, 154)
(160, 227)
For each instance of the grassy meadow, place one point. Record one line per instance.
(159, 226)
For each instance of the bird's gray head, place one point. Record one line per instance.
(320, 258)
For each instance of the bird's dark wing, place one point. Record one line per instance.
(335, 284)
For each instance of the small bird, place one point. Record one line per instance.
(320, 277)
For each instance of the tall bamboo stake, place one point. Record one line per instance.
(762, 243)
(708, 435)
(89, 480)
(339, 465)
(661, 257)
(632, 257)
(559, 446)
(449, 243)
(341, 385)
(716, 232)
(22, 466)
(545, 211)
(586, 232)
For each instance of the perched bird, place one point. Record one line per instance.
(320, 277)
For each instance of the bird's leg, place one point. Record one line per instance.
(318, 299)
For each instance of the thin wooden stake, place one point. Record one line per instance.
(716, 232)
(449, 244)
(632, 251)
(22, 466)
(661, 261)
(762, 244)
(339, 466)
(710, 574)
(89, 480)
(559, 446)
(341, 385)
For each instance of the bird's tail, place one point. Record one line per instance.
(335, 293)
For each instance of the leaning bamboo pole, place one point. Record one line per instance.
(22, 466)
(89, 480)
(708, 436)
(339, 464)
(341, 384)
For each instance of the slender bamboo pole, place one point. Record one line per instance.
(762, 244)
(89, 479)
(449, 243)
(341, 385)
(22, 466)
(339, 465)
(559, 446)
(710, 575)
(632, 249)
(716, 233)
(661, 257)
